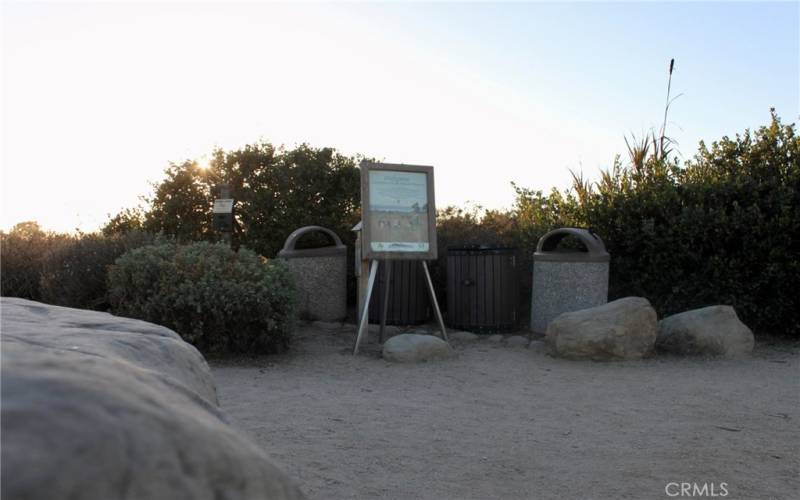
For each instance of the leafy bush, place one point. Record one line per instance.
(724, 228)
(24, 251)
(277, 190)
(533, 215)
(215, 298)
(456, 227)
(75, 274)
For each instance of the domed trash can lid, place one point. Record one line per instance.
(290, 252)
(547, 248)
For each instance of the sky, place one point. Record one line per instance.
(99, 98)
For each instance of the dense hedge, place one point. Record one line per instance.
(277, 190)
(720, 228)
(75, 274)
(723, 228)
(23, 252)
(217, 299)
(61, 269)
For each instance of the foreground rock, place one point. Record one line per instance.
(413, 348)
(623, 329)
(710, 331)
(100, 407)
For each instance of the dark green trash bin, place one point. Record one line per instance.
(482, 289)
(409, 303)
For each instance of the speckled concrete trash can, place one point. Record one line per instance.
(320, 276)
(567, 280)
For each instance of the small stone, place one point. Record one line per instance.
(517, 341)
(463, 336)
(495, 338)
(412, 348)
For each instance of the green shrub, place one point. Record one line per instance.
(23, 252)
(457, 227)
(277, 191)
(724, 228)
(61, 269)
(219, 300)
(75, 274)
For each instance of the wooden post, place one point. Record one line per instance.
(364, 323)
(387, 278)
(361, 270)
(434, 301)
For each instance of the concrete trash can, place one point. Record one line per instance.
(567, 279)
(320, 276)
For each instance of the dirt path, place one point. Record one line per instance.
(501, 422)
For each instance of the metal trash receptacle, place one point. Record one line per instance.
(482, 288)
(567, 279)
(320, 276)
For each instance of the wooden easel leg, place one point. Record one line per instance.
(434, 301)
(373, 270)
(387, 278)
(363, 280)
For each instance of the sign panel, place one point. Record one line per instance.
(398, 211)
(223, 205)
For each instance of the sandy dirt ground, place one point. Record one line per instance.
(497, 422)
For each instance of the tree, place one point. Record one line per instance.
(276, 192)
(27, 230)
(24, 249)
(181, 205)
(279, 191)
(126, 221)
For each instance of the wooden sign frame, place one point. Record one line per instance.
(367, 251)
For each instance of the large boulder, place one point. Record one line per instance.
(97, 407)
(710, 331)
(413, 348)
(622, 329)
